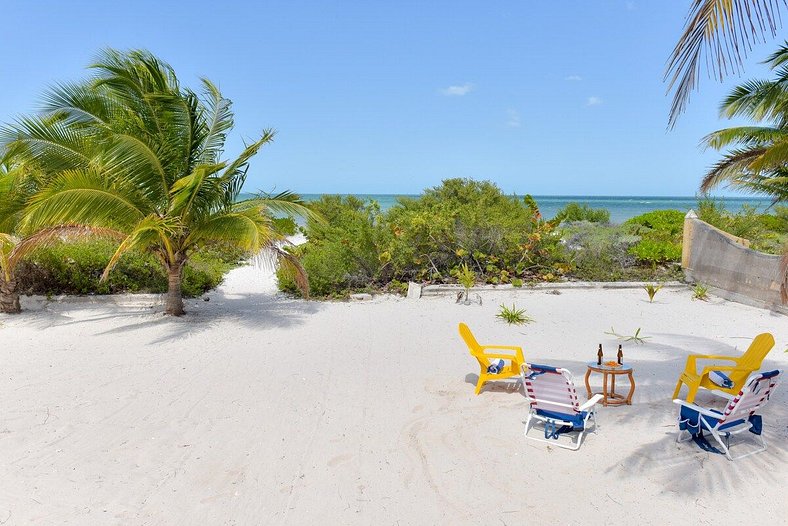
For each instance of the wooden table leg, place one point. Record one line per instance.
(613, 385)
(604, 388)
(631, 388)
(588, 385)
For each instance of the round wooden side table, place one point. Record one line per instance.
(611, 397)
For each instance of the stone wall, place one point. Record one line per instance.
(731, 269)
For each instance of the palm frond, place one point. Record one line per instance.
(286, 203)
(721, 32)
(744, 135)
(733, 165)
(151, 231)
(198, 193)
(58, 234)
(219, 120)
(293, 268)
(250, 230)
(87, 198)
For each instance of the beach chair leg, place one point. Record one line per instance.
(722, 443)
(528, 423)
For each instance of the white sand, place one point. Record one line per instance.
(257, 409)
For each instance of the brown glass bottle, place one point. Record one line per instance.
(599, 355)
(620, 355)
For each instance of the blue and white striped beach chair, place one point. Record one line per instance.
(553, 403)
(739, 415)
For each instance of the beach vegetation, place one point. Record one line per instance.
(133, 152)
(700, 292)
(767, 232)
(467, 278)
(652, 289)
(573, 212)
(636, 337)
(76, 267)
(513, 315)
(430, 239)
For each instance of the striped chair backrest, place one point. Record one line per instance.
(550, 389)
(752, 397)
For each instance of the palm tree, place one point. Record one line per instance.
(718, 33)
(133, 152)
(758, 160)
(19, 179)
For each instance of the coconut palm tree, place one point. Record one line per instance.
(12, 198)
(19, 179)
(133, 152)
(718, 33)
(758, 160)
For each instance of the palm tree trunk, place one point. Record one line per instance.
(174, 299)
(9, 297)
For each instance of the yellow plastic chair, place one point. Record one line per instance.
(743, 367)
(515, 358)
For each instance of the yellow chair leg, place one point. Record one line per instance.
(479, 384)
(693, 390)
(678, 388)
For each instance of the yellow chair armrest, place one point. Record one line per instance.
(501, 356)
(715, 357)
(710, 368)
(693, 358)
(518, 356)
(503, 347)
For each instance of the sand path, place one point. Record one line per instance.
(259, 409)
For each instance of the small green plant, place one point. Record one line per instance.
(513, 315)
(517, 282)
(467, 278)
(700, 292)
(637, 338)
(651, 290)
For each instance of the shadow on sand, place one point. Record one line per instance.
(252, 311)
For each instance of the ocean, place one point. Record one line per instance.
(621, 207)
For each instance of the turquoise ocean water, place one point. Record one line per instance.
(621, 207)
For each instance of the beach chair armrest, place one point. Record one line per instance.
(699, 409)
(693, 358)
(591, 402)
(517, 350)
(729, 368)
(503, 347)
(502, 356)
(721, 394)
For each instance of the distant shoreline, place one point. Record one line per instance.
(621, 208)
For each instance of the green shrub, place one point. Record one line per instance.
(582, 212)
(656, 251)
(348, 251)
(766, 232)
(76, 268)
(429, 238)
(664, 221)
(472, 222)
(660, 232)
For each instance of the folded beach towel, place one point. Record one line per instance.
(721, 379)
(495, 367)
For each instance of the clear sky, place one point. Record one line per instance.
(392, 97)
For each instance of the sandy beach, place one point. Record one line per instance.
(260, 409)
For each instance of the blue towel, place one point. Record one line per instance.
(495, 367)
(721, 379)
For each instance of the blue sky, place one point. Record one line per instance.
(391, 97)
